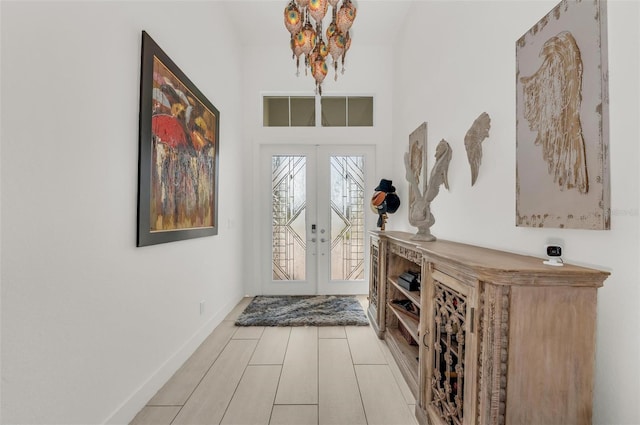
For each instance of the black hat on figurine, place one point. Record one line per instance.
(386, 186)
(393, 202)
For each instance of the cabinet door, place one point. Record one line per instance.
(376, 285)
(448, 350)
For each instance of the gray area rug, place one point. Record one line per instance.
(315, 310)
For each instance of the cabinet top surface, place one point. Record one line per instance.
(489, 260)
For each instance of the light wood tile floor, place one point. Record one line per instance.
(285, 376)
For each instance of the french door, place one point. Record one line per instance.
(315, 217)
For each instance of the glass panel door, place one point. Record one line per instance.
(287, 213)
(288, 178)
(343, 176)
(347, 218)
(316, 220)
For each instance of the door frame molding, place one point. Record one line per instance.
(268, 286)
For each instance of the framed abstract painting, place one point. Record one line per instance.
(178, 153)
(562, 122)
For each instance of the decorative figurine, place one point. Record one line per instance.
(420, 209)
(384, 201)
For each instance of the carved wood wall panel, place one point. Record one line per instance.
(562, 120)
(447, 380)
(494, 344)
(374, 278)
(409, 254)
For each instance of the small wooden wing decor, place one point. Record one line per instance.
(473, 143)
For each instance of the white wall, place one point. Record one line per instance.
(270, 70)
(92, 325)
(457, 59)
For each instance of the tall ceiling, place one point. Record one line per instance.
(261, 22)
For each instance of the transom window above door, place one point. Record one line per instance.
(325, 111)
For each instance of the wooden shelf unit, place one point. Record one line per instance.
(414, 296)
(494, 329)
(408, 321)
(400, 258)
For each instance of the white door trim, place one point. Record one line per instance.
(318, 253)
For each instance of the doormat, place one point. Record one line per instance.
(314, 310)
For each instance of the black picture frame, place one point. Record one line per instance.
(178, 158)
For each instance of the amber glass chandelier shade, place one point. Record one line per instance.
(346, 16)
(292, 19)
(311, 42)
(318, 9)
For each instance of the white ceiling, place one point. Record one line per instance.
(260, 22)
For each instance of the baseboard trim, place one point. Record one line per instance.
(124, 413)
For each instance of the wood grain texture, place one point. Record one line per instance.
(272, 346)
(299, 379)
(339, 398)
(364, 345)
(294, 414)
(156, 415)
(251, 407)
(381, 396)
(248, 332)
(209, 401)
(177, 390)
(551, 356)
(238, 309)
(331, 332)
(499, 267)
(529, 333)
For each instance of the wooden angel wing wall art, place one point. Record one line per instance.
(562, 120)
(473, 143)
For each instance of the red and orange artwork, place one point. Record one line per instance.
(182, 156)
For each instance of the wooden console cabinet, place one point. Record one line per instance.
(491, 337)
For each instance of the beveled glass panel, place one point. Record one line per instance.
(289, 219)
(360, 111)
(347, 218)
(303, 112)
(275, 111)
(334, 111)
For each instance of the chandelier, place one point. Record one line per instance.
(309, 42)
